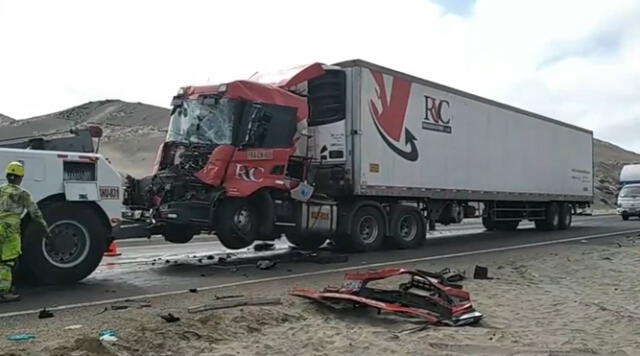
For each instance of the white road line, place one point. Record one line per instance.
(318, 273)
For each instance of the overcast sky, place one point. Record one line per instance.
(574, 60)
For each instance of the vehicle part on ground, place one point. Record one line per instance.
(422, 296)
(309, 241)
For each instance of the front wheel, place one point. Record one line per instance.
(236, 223)
(78, 242)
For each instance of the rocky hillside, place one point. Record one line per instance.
(133, 132)
(609, 160)
(4, 119)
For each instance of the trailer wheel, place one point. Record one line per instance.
(309, 241)
(507, 225)
(407, 227)
(79, 240)
(488, 223)
(236, 223)
(566, 217)
(366, 232)
(178, 234)
(551, 220)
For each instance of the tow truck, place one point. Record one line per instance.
(80, 195)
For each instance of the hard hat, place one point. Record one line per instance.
(15, 168)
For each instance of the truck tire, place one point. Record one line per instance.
(79, 241)
(407, 227)
(178, 234)
(566, 217)
(507, 225)
(366, 232)
(309, 241)
(488, 223)
(236, 223)
(625, 217)
(551, 220)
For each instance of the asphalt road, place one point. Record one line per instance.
(150, 267)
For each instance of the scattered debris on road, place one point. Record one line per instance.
(435, 301)
(108, 335)
(266, 264)
(481, 272)
(169, 318)
(45, 314)
(264, 246)
(236, 302)
(21, 337)
(193, 290)
(73, 327)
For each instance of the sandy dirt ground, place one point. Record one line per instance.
(577, 299)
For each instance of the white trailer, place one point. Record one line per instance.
(408, 139)
(80, 195)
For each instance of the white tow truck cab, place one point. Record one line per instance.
(80, 195)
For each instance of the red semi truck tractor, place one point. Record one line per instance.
(358, 154)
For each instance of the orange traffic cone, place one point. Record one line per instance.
(112, 250)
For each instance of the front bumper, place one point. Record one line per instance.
(628, 211)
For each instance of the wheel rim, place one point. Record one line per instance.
(368, 229)
(567, 219)
(407, 228)
(69, 245)
(242, 220)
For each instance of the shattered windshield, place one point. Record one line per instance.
(630, 192)
(197, 122)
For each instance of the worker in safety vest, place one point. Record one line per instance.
(14, 201)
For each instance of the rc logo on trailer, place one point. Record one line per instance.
(438, 115)
(388, 110)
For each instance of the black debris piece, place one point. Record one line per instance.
(193, 290)
(169, 318)
(45, 314)
(481, 272)
(265, 264)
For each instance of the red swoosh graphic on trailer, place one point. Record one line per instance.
(392, 115)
